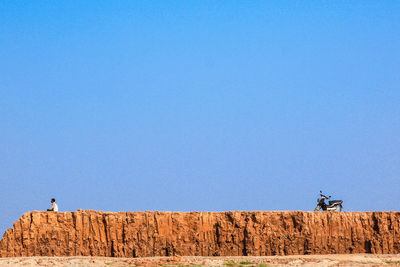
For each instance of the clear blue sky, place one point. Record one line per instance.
(198, 105)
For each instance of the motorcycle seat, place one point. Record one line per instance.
(335, 201)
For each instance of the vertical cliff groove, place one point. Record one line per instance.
(235, 233)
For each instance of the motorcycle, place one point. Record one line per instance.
(334, 205)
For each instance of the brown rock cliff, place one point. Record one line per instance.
(236, 233)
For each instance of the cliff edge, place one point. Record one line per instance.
(235, 233)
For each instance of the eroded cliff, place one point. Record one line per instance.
(140, 234)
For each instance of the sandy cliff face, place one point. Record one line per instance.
(140, 234)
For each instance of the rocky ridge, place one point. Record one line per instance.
(235, 233)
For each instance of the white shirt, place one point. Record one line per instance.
(54, 206)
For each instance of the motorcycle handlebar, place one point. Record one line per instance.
(320, 193)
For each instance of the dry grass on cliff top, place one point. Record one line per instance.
(302, 260)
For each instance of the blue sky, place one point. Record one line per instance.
(198, 105)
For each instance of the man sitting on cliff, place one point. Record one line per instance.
(54, 206)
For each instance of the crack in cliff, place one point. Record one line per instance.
(376, 225)
(230, 218)
(105, 230)
(217, 233)
(245, 237)
(156, 223)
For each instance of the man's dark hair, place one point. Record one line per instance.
(53, 199)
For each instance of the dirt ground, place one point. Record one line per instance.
(302, 260)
